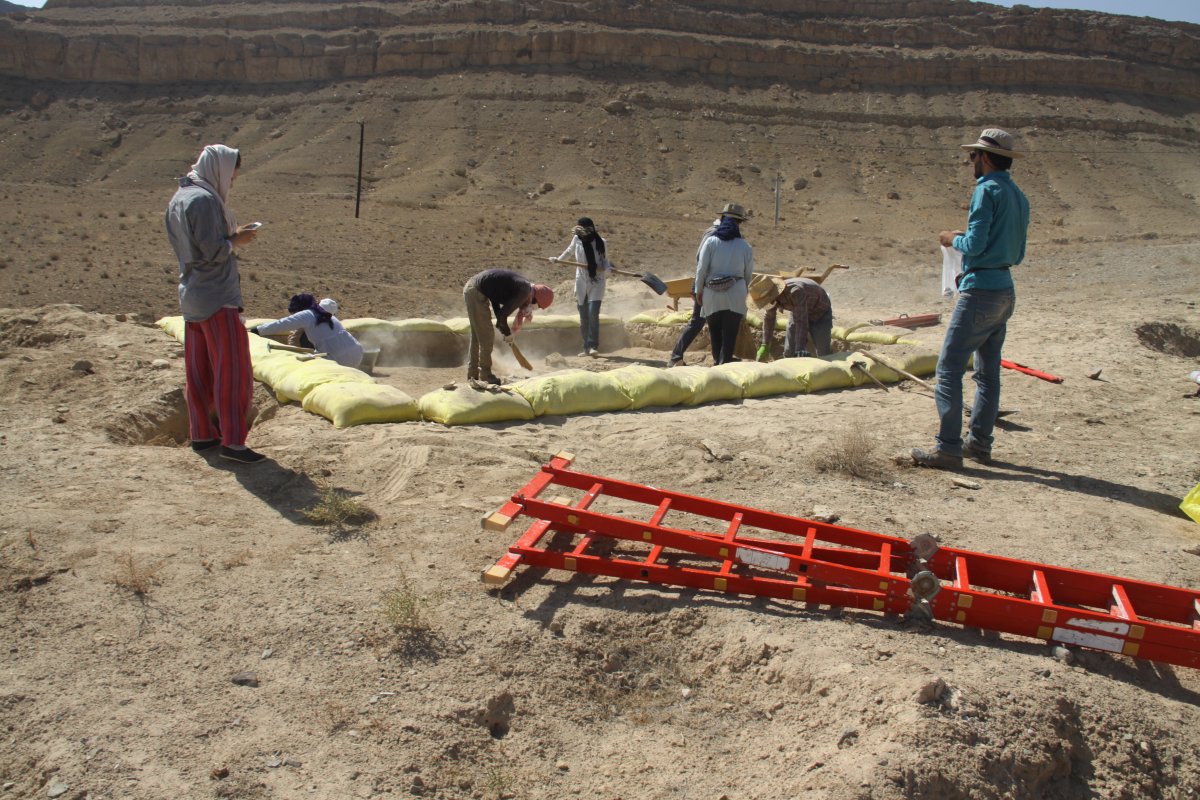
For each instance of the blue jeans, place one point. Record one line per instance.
(690, 332)
(978, 326)
(589, 324)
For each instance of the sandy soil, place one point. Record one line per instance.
(138, 579)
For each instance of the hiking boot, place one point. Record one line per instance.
(976, 452)
(200, 445)
(242, 456)
(936, 459)
(488, 377)
(472, 374)
(674, 362)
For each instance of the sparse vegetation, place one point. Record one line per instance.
(850, 451)
(404, 609)
(335, 507)
(136, 577)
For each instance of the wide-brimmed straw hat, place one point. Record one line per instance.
(994, 140)
(764, 290)
(735, 210)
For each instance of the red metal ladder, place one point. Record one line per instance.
(793, 558)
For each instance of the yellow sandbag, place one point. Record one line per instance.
(347, 404)
(651, 386)
(707, 385)
(273, 366)
(842, 331)
(822, 374)
(573, 392)
(919, 364)
(1191, 504)
(754, 320)
(762, 379)
(308, 375)
(675, 318)
(549, 321)
(173, 326)
(643, 318)
(876, 334)
(458, 324)
(419, 324)
(467, 406)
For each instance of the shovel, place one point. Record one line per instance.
(1004, 412)
(648, 278)
(519, 356)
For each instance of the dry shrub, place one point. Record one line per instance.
(336, 716)
(238, 559)
(403, 609)
(337, 508)
(134, 577)
(850, 451)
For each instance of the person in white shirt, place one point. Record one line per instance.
(323, 329)
(588, 249)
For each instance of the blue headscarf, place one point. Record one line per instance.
(728, 230)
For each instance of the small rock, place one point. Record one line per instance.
(83, 366)
(823, 514)
(716, 450)
(219, 773)
(1095, 374)
(449, 387)
(893, 195)
(267, 653)
(1062, 654)
(292, 762)
(800, 183)
(160, 363)
(274, 762)
(567, 140)
(931, 692)
(57, 789)
(562, 766)
(546, 187)
(963, 483)
(247, 678)
(817, 173)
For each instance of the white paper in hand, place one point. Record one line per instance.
(951, 268)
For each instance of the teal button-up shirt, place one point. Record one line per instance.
(997, 225)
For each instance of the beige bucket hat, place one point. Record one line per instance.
(764, 289)
(994, 140)
(735, 210)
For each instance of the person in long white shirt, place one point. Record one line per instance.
(724, 269)
(588, 249)
(323, 329)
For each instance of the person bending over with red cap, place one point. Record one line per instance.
(504, 291)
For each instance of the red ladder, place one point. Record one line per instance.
(799, 559)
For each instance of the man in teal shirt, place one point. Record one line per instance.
(992, 244)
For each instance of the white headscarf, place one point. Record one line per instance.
(213, 172)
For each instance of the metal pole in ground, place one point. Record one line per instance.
(358, 190)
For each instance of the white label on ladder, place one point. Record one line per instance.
(1092, 640)
(759, 558)
(1119, 628)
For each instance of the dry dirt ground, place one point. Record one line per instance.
(137, 578)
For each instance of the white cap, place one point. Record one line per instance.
(329, 304)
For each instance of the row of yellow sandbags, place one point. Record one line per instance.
(639, 386)
(348, 397)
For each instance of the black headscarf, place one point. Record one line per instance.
(306, 302)
(585, 229)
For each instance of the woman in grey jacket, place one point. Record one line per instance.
(723, 272)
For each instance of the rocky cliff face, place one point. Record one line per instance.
(812, 44)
